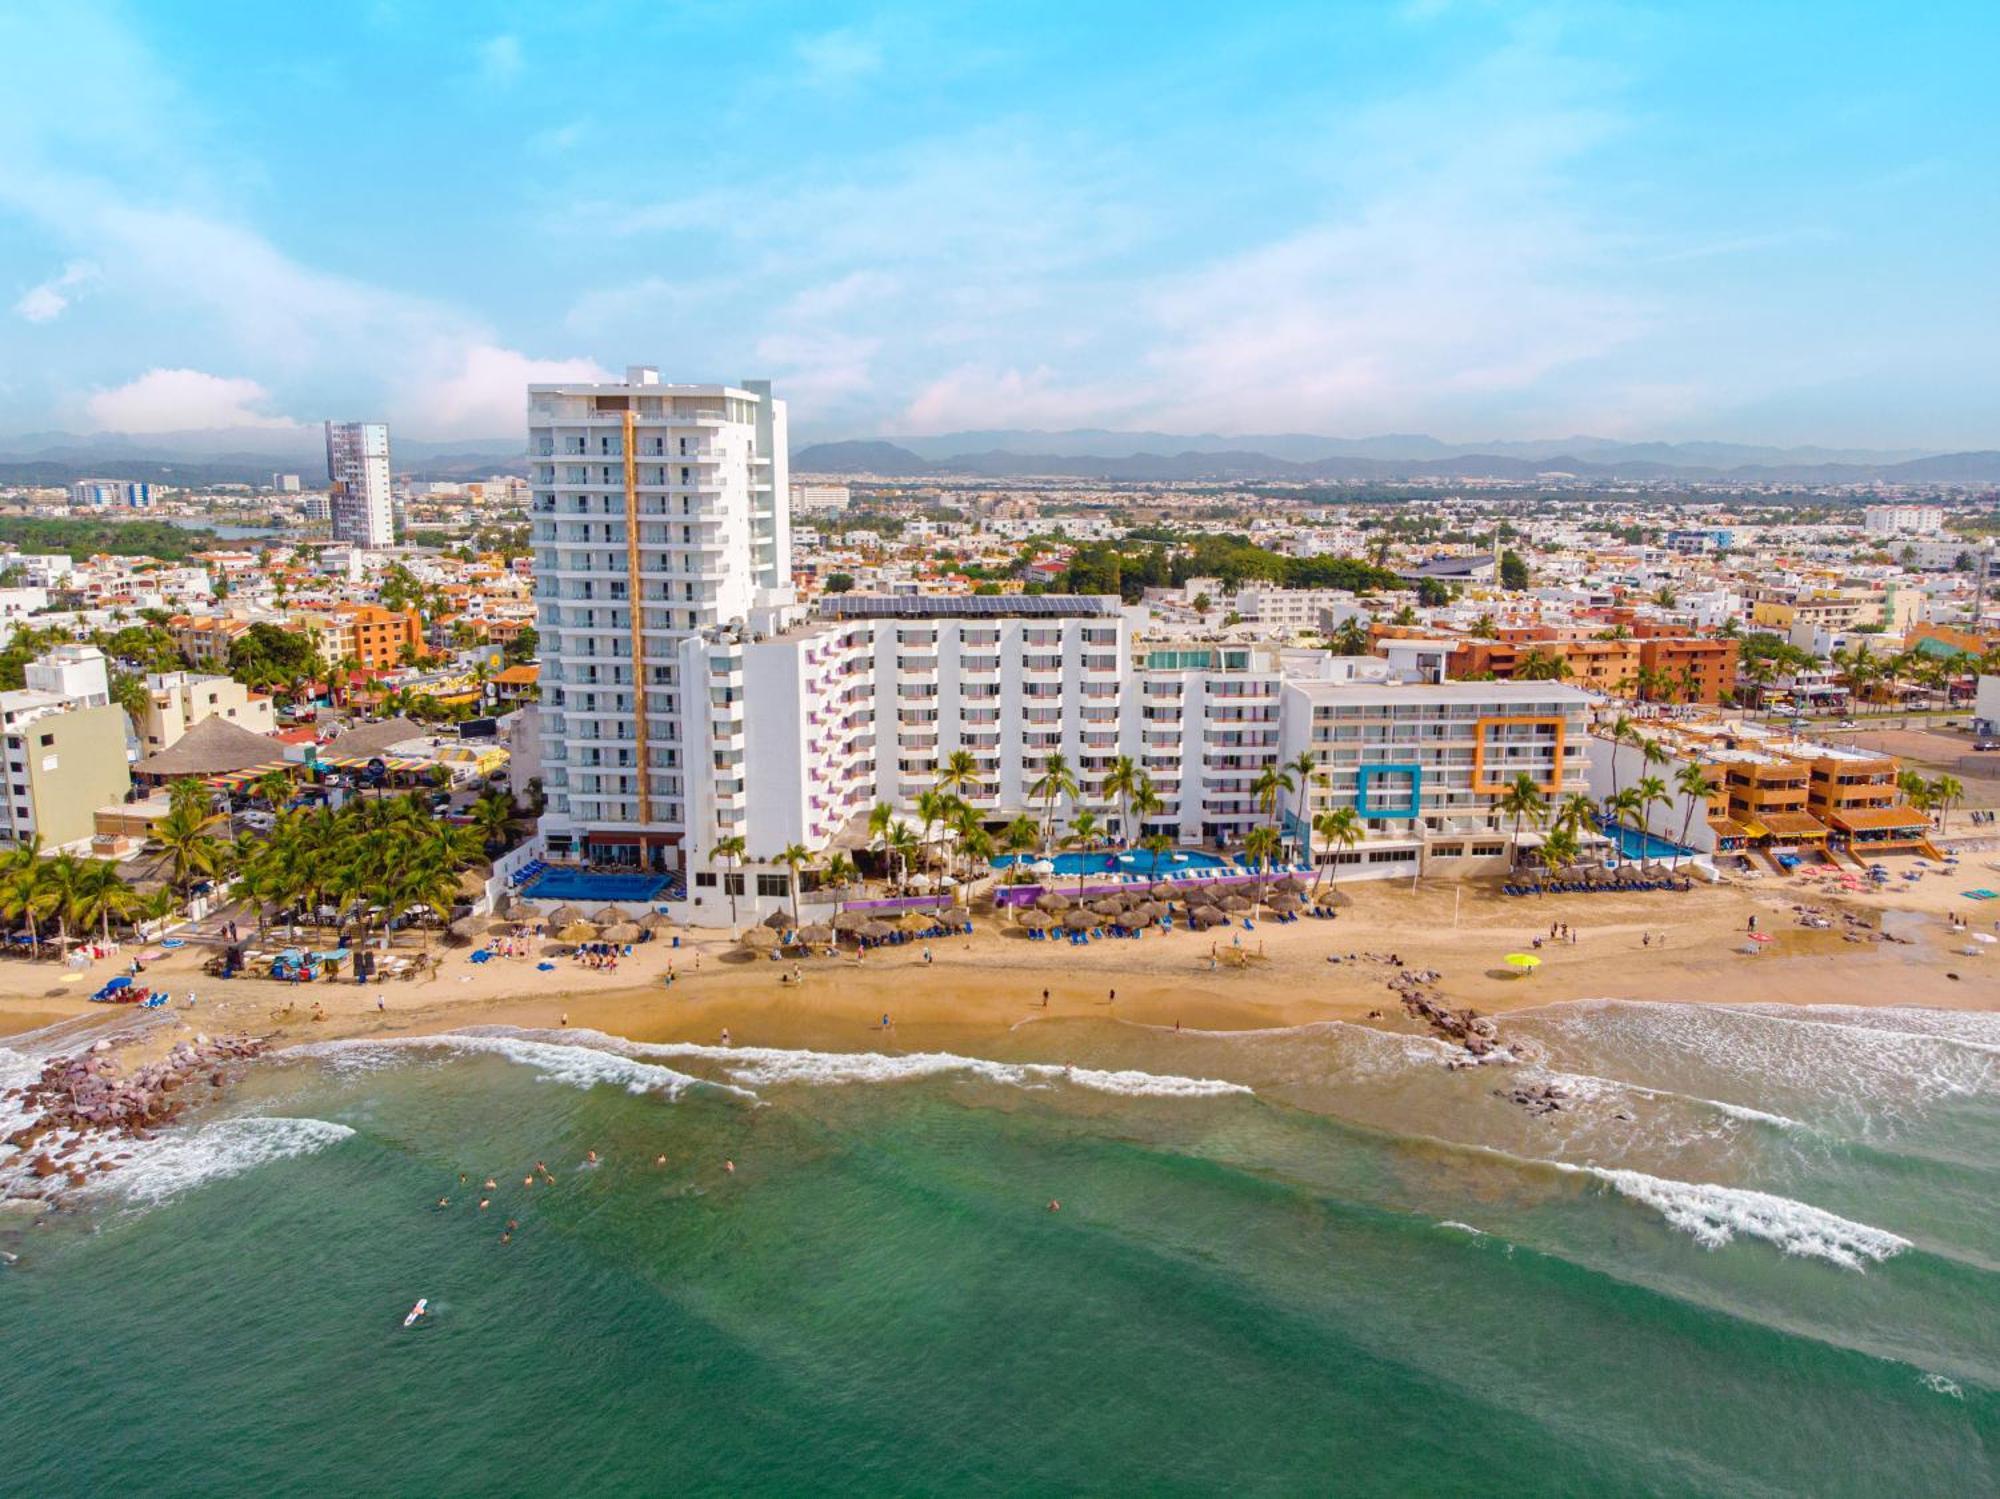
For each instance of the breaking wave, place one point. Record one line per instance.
(1713, 1216)
(578, 1065)
(761, 1066)
(177, 1161)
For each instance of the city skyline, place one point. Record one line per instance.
(1476, 221)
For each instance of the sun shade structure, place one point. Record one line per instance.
(577, 931)
(214, 747)
(1526, 962)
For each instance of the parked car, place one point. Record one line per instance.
(1986, 744)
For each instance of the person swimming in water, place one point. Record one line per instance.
(1054, 1206)
(444, 1202)
(485, 1203)
(729, 1166)
(659, 1160)
(488, 1185)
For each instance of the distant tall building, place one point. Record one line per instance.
(357, 468)
(127, 494)
(285, 483)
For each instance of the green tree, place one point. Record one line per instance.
(731, 850)
(1523, 802)
(1513, 571)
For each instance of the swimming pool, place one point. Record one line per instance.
(1635, 844)
(1130, 861)
(585, 885)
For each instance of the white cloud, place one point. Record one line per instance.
(163, 400)
(837, 59)
(482, 390)
(47, 302)
(500, 60)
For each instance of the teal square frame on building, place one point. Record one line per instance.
(1365, 777)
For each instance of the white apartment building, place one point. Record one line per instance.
(1294, 609)
(357, 471)
(123, 494)
(1903, 520)
(1425, 763)
(810, 498)
(660, 517)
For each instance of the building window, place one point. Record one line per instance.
(705, 880)
(774, 884)
(47, 740)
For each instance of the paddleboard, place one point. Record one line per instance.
(417, 1311)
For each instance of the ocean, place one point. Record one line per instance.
(1755, 1252)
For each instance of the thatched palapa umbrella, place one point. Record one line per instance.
(657, 921)
(851, 921)
(502, 927)
(607, 915)
(1234, 903)
(1206, 916)
(816, 936)
(577, 931)
(1053, 901)
(563, 915)
(1111, 906)
(779, 921)
(1284, 903)
(875, 931)
(760, 939)
(916, 921)
(623, 931)
(1079, 921)
(1037, 921)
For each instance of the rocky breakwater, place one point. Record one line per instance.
(82, 1107)
(1473, 1033)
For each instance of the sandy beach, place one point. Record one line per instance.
(1661, 945)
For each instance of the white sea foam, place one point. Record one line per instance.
(578, 1065)
(762, 1066)
(175, 1161)
(1590, 1087)
(1463, 1228)
(1714, 1215)
(1937, 1384)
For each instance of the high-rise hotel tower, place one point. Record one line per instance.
(357, 471)
(659, 518)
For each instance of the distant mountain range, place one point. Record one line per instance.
(252, 455)
(1167, 458)
(235, 455)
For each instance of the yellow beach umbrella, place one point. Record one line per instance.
(1523, 960)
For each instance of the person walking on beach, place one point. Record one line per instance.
(1045, 999)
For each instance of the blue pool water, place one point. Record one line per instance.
(583, 885)
(1131, 861)
(1634, 844)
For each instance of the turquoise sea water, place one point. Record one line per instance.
(1757, 1255)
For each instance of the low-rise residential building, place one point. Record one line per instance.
(178, 700)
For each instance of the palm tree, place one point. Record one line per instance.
(1158, 845)
(275, 787)
(1349, 637)
(1261, 846)
(1122, 779)
(1341, 828)
(1628, 807)
(1694, 783)
(840, 871)
(190, 794)
(1145, 802)
(733, 849)
(1575, 812)
(187, 844)
(1270, 788)
(959, 774)
(493, 820)
(22, 890)
(1522, 801)
(933, 807)
(1560, 849)
(796, 857)
(102, 897)
(881, 817)
(1621, 733)
(1946, 792)
(901, 844)
(1057, 780)
(1018, 837)
(1086, 834)
(1652, 792)
(1305, 770)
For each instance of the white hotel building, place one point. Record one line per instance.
(727, 709)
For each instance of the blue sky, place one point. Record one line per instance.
(1765, 222)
